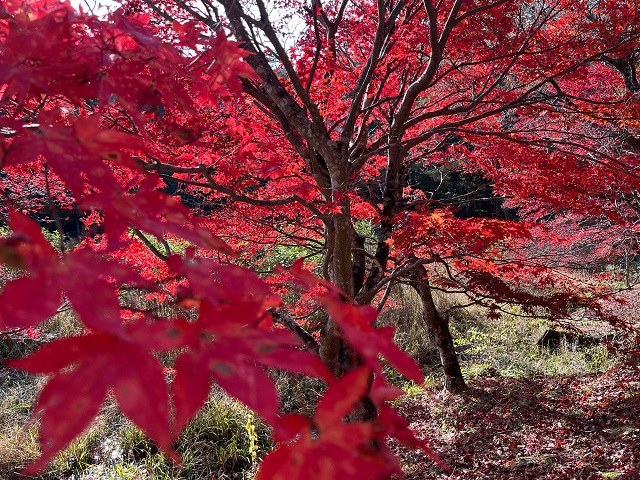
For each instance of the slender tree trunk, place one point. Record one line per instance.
(439, 326)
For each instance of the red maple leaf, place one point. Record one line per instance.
(84, 370)
(320, 445)
(80, 275)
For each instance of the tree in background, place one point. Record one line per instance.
(161, 130)
(373, 93)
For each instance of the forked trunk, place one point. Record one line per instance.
(439, 327)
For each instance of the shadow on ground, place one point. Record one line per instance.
(569, 427)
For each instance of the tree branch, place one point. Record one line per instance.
(284, 319)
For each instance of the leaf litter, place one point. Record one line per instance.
(580, 426)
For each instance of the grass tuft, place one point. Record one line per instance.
(225, 441)
(504, 347)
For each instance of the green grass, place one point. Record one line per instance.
(223, 441)
(505, 347)
(298, 393)
(508, 347)
(18, 436)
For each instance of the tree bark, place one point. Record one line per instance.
(627, 68)
(439, 326)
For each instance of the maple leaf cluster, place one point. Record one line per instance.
(78, 95)
(188, 146)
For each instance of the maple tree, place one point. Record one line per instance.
(197, 123)
(365, 99)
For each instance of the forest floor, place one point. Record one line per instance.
(568, 412)
(569, 426)
(577, 426)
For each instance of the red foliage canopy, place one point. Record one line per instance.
(90, 63)
(159, 130)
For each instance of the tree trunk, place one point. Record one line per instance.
(439, 327)
(334, 352)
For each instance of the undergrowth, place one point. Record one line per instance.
(225, 440)
(503, 347)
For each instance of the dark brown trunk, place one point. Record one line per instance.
(332, 348)
(340, 359)
(344, 271)
(333, 351)
(439, 327)
(627, 68)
